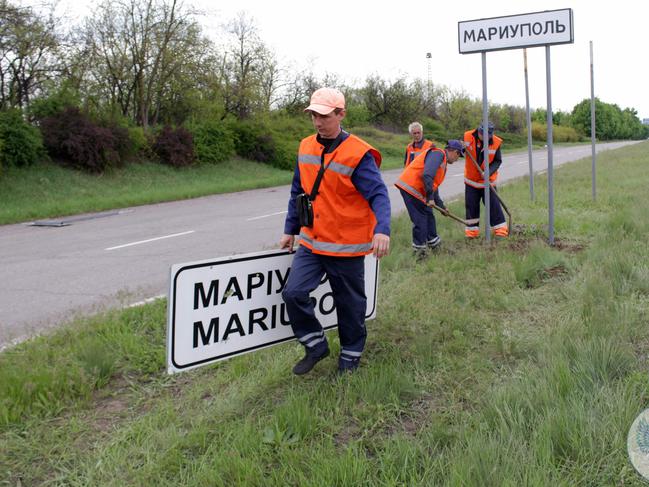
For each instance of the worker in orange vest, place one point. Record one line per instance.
(419, 186)
(340, 208)
(474, 182)
(418, 144)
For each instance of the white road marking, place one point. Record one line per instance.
(147, 300)
(150, 240)
(266, 216)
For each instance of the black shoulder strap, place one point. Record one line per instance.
(323, 168)
(318, 179)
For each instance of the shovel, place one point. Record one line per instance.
(448, 214)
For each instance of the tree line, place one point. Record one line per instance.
(142, 77)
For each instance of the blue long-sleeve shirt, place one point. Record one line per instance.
(367, 180)
(432, 163)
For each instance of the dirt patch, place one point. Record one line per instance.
(567, 246)
(531, 230)
(554, 271)
(520, 245)
(412, 421)
(109, 414)
(350, 432)
(110, 406)
(178, 387)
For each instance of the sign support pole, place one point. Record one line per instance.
(550, 139)
(485, 149)
(592, 121)
(529, 128)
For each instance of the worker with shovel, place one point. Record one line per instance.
(419, 186)
(474, 182)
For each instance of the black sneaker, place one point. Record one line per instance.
(308, 362)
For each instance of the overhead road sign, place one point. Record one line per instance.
(221, 308)
(516, 31)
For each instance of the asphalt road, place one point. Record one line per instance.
(50, 274)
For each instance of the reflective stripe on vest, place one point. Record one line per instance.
(411, 179)
(332, 166)
(343, 223)
(474, 184)
(330, 248)
(409, 189)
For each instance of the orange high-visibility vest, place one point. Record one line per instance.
(343, 221)
(472, 176)
(412, 177)
(412, 151)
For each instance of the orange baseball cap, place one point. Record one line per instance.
(326, 100)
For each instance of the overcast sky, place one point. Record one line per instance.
(357, 38)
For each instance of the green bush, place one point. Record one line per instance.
(213, 141)
(22, 144)
(357, 115)
(387, 143)
(435, 131)
(55, 103)
(285, 153)
(255, 140)
(141, 143)
(559, 133)
(512, 140)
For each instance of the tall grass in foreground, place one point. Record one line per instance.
(513, 365)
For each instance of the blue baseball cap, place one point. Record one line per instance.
(490, 127)
(455, 145)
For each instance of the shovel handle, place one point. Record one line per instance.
(448, 214)
(502, 203)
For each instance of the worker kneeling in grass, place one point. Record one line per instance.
(419, 185)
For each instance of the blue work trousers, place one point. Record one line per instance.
(424, 228)
(473, 197)
(346, 276)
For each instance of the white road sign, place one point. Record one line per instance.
(229, 306)
(516, 31)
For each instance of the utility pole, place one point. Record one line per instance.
(429, 57)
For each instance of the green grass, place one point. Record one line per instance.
(485, 367)
(47, 190)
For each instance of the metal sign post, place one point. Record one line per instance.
(592, 120)
(550, 138)
(546, 28)
(485, 149)
(429, 57)
(529, 127)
